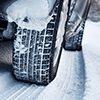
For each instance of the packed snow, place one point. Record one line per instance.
(31, 14)
(91, 51)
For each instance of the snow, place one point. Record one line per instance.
(35, 11)
(91, 51)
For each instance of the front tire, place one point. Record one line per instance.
(36, 54)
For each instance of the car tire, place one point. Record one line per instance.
(36, 54)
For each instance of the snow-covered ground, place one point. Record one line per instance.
(91, 51)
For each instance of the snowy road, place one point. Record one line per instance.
(68, 84)
(91, 51)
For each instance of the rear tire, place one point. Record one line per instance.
(74, 43)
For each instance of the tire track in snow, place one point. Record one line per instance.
(66, 83)
(17, 93)
(27, 92)
(76, 87)
(35, 93)
(10, 92)
(7, 82)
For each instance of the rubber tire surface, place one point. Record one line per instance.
(74, 43)
(33, 54)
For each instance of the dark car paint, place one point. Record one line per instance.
(4, 4)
